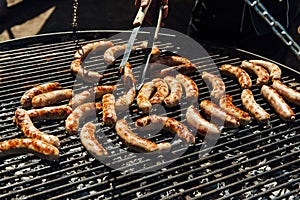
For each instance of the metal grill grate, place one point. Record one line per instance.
(247, 162)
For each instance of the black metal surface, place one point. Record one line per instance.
(248, 162)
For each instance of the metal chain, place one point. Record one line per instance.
(75, 23)
(276, 27)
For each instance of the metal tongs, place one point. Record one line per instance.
(153, 35)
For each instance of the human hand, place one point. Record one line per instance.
(154, 9)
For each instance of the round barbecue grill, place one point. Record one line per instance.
(249, 162)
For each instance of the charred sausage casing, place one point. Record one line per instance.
(51, 98)
(169, 124)
(227, 105)
(275, 71)
(237, 72)
(143, 97)
(162, 91)
(280, 106)
(28, 95)
(253, 107)
(215, 112)
(288, 93)
(217, 84)
(24, 145)
(175, 94)
(261, 73)
(25, 124)
(79, 114)
(190, 87)
(109, 112)
(203, 127)
(135, 142)
(89, 141)
(50, 113)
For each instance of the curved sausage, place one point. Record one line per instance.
(89, 141)
(77, 69)
(169, 124)
(242, 76)
(288, 93)
(113, 52)
(190, 87)
(50, 113)
(78, 115)
(175, 94)
(25, 124)
(213, 111)
(261, 73)
(275, 71)
(125, 101)
(51, 98)
(253, 107)
(170, 60)
(24, 145)
(162, 91)
(28, 95)
(277, 102)
(91, 95)
(135, 142)
(203, 127)
(217, 84)
(109, 112)
(143, 97)
(227, 105)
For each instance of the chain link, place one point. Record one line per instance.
(276, 27)
(75, 23)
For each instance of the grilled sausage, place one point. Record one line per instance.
(242, 76)
(288, 93)
(125, 101)
(89, 141)
(170, 60)
(77, 69)
(112, 53)
(28, 95)
(135, 142)
(215, 84)
(253, 107)
(50, 113)
(275, 71)
(109, 112)
(77, 116)
(226, 104)
(169, 124)
(28, 145)
(162, 91)
(51, 98)
(277, 102)
(143, 97)
(190, 87)
(203, 127)
(261, 73)
(128, 78)
(91, 95)
(215, 112)
(176, 92)
(25, 124)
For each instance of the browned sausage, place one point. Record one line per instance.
(162, 91)
(275, 71)
(283, 109)
(202, 126)
(89, 141)
(261, 73)
(227, 105)
(24, 145)
(288, 93)
(143, 97)
(78, 115)
(112, 53)
(176, 92)
(237, 72)
(215, 112)
(109, 112)
(217, 84)
(51, 98)
(190, 87)
(135, 142)
(125, 101)
(26, 126)
(169, 124)
(50, 113)
(128, 77)
(28, 95)
(253, 107)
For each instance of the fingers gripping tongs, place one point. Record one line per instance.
(153, 35)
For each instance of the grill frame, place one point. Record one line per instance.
(65, 178)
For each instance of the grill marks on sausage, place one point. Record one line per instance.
(217, 84)
(275, 71)
(175, 92)
(237, 72)
(109, 112)
(261, 73)
(287, 92)
(162, 91)
(51, 98)
(190, 87)
(25, 124)
(50, 113)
